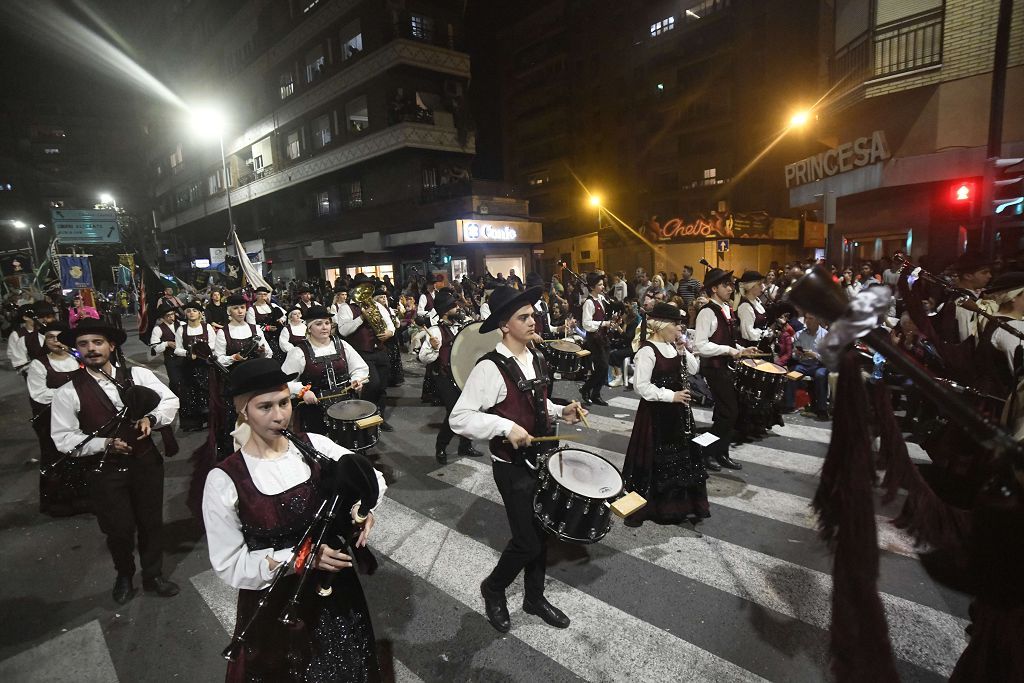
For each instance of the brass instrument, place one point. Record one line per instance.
(363, 296)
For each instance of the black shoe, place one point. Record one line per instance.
(441, 456)
(596, 398)
(160, 586)
(469, 451)
(711, 466)
(123, 590)
(726, 461)
(546, 611)
(495, 608)
(385, 427)
(584, 399)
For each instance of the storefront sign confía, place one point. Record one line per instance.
(474, 232)
(487, 231)
(845, 157)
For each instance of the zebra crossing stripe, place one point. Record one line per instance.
(601, 639)
(921, 635)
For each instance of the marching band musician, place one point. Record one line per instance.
(163, 340)
(216, 311)
(425, 305)
(436, 352)
(255, 505)
(340, 298)
(973, 272)
(63, 489)
(542, 315)
(316, 361)
(1004, 298)
(661, 464)
(194, 343)
(750, 312)
(267, 316)
(396, 373)
(231, 340)
(597, 324)
(128, 496)
(306, 298)
(26, 343)
(505, 398)
(354, 328)
(293, 332)
(715, 343)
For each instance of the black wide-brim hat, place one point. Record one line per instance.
(257, 375)
(666, 311)
(93, 326)
(1004, 282)
(316, 313)
(716, 276)
(751, 276)
(533, 279)
(164, 309)
(236, 300)
(44, 308)
(444, 301)
(262, 290)
(194, 304)
(304, 289)
(779, 309)
(971, 262)
(26, 311)
(359, 279)
(56, 326)
(504, 301)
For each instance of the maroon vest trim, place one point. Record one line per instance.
(96, 408)
(444, 352)
(233, 345)
(315, 372)
(518, 407)
(363, 339)
(724, 335)
(760, 322)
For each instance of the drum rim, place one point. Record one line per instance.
(554, 346)
(622, 482)
(351, 401)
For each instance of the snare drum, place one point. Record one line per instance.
(760, 380)
(563, 356)
(574, 489)
(354, 424)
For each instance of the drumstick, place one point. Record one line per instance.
(556, 437)
(583, 416)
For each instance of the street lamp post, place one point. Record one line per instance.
(32, 234)
(595, 201)
(208, 121)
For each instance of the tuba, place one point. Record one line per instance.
(363, 296)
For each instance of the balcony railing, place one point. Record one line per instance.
(427, 33)
(897, 47)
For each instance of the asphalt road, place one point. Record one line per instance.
(748, 600)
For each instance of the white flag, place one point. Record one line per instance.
(248, 270)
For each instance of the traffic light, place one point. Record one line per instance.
(1007, 188)
(961, 199)
(963, 192)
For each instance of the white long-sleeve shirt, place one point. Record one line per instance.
(705, 326)
(285, 341)
(197, 331)
(746, 316)
(589, 324)
(485, 311)
(231, 559)
(37, 389)
(237, 331)
(427, 353)
(17, 349)
(348, 323)
(1006, 342)
(485, 388)
(250, 315)
(64, 426)
(155, 337)
(643, 365)
(295, 361)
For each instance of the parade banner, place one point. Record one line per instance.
(128, 261)
(75, 272)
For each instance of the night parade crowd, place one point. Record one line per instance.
(290, 386)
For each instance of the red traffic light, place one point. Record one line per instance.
(963, 192)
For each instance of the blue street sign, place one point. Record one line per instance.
(723, 246)
(76, 226)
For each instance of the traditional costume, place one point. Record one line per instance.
(354, 329)
(268, 317)
(194, 346)
(596, 322)
(160, 340)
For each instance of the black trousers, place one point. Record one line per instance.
(175, 373)
(380, 373)
(599, 359)
(131, 503)
(722, 383)
(449, 393)
(528, 548)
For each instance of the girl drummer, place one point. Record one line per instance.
(256, 504)
(661, 463)
(322, 363)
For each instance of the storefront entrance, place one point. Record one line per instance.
(503, 264)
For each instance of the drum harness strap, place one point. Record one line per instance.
(333, 381)
(510, 369)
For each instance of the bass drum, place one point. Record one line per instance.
(468, 347)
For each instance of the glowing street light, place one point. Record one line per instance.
(595, 201)
(21, 225)
(209, 122)
(800, 118)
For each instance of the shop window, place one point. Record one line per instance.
(357, 115)
(378, 271)
(460, 267)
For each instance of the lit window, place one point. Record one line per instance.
(257, 163)
(356, 115)
(51, 150)
(6, 187)
(663, 26)
(355, 194)
(321, 131)
(314, 63)
(293, 147)
(177, 161)
(421, 27)
(429, 178)
(323, 203)
(351, 41)
(710, 173)
(287, 84)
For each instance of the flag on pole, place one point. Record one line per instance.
(75, 272)
(252, 275)
(150, 289)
